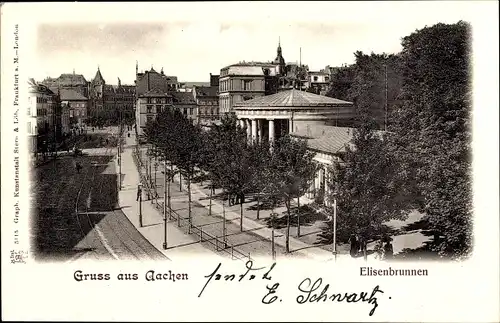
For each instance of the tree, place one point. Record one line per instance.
(260, 156)
(341, 82)
(363, 184)
(290, 171)
(232, 168)
(432, 140)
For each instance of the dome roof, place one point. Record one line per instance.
(291, 98)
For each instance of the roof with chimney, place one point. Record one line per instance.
(40, 88)
(183, 98)
(71, 95)
(206, 90)
(290, 99)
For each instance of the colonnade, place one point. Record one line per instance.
(255, 129)
(321, 182)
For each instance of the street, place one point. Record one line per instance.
(76, 214)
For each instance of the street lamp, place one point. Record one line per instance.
(164, 201)
(139, 192)
(273, 251)
(119, 164)
(334, 251)
(156, 192)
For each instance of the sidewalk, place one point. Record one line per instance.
(200, 195)
(179, 244)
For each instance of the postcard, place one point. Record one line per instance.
(250, 161)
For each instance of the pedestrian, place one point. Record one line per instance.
(379, 249)
(78, 167)
(139, 192)
(388, 249)
(362, 244)
(354, 245)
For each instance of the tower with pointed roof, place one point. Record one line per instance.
(279, 60)
(97, 84)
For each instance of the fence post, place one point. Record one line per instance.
(201, 235)
(232, 250)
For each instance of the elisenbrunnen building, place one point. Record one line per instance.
(270, 100)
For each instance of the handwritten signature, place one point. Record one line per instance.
(230, 277)
(308, 289)
(309, 292)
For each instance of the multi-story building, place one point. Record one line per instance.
(246, 81)
(207, 101)
(45, 107)
(185, 103)
(76, 82)
(114, 103)
(243, 81)
(77, 106)
(151, 86)
(214, 80)
(318, 82)
(149, 104)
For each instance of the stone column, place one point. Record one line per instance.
(316, 180)
(254, 130)
(260, 125)
(271, 131)
(327, 186)
(249, 129)
(310, 192)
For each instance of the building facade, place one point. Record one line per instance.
(186, 104)
(272, 116)
(114, 103)
(45, 108)
(151, 86)
(328, 143)
(243, 81)
(76, 82)
(76, 106)
(149, 104)
(318, 82)
(207, 102)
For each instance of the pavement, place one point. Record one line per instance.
(179, 244)
(182, 244)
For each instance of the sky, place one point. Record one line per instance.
(192, 40)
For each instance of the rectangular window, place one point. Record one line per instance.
(149, 109)
(247, 85)
(158, 107)
(191, 111)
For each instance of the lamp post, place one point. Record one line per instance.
(139, 192)
(156, 193)
(273, 251)
(334, 251)
(164, 202)
(119, 163)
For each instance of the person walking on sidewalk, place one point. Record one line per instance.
(139, 192)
